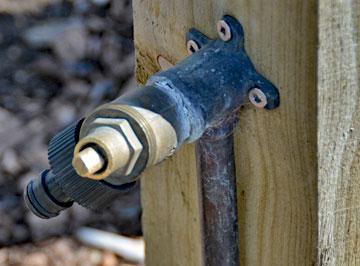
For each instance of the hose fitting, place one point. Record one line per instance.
(100, 158)
(110, 147)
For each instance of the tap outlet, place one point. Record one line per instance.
(102, 156)
(110, 146)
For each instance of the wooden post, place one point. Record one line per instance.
(275, 151)
(339, 132)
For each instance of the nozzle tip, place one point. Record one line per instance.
(88, 162)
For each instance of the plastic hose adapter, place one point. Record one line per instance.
(58, 187)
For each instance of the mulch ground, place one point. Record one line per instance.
(55, 66)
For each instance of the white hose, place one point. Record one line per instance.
(128, 248)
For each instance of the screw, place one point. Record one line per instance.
(192, 47)
(88, 162)
(223, 30)
(257, 98)
(164, 63)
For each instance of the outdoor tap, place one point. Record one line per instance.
(101, 156)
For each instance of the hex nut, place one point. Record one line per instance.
(158, 133)
(107, 142)
(124, 127)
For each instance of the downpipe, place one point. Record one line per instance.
(217, 176)
(100, 157)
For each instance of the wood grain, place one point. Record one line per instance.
(339, 132)
(275, 151)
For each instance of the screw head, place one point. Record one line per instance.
(224, 30)
(192, 47)
(164, 63)
(257, 98)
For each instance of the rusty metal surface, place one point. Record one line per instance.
(216, 167)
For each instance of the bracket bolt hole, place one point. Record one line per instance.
(192, 47)
(257, 98)
(224, 30)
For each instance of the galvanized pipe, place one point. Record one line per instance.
(216, 168)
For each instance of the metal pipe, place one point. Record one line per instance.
(216, 168)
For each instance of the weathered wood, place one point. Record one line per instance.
(275, 151)
(171, 220)
(339, 132)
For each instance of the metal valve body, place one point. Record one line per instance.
(117, 141)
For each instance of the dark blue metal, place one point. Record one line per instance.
(212, 83)
(203, 89)
(219, 76)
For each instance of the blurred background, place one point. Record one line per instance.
(58, 60)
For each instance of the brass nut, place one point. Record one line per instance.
(118, 142)
(110, 143)
(124, 127)
(158, 133)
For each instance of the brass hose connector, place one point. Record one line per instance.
(110, 146)
(103, 151)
